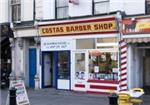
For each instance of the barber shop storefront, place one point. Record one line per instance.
(80, 55)
(136, 32)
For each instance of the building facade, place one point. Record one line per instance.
(74, 44)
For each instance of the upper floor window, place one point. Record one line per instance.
(101, 6)
(147, 6)
(16, 10)
(62, 9)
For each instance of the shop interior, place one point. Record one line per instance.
(56, 69)
(100, 59)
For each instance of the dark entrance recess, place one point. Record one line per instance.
(6, 33)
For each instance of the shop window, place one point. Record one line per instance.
(80, 66)
(16, 10)
(103, 61)
(63, 65)
(101, 6)
(62, 9)
(147, 6)
(85, 43)
(103, 65)
(107, 44)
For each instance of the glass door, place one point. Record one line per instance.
(63, 78)
(80, 70)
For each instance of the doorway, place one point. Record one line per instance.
(48, 70)
(56, 69)
(80, 70)
(32, 66)
(146, 67)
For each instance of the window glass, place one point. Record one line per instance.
(103, 65)
(107, 44)
(61, 3)
(62, 12)
(80, 65)
(16, 10)
(103, 61)
(148, 6)
(101, 6)
(85, 43)
(63, 65)
(62, 9)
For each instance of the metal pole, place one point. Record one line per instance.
(12, 96)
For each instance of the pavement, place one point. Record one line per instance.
(51, 96)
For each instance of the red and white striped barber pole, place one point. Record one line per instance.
(123, 66)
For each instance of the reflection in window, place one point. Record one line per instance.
(85, 43)
(147, 6)
(103, 66)
(101, 6)
(16, 10)
(63, 65)
(61, 9)
(80, 66)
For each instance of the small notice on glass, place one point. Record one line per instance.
(96, 69)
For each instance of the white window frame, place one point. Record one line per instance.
(62, 7)
(17, 4)
(101, 2)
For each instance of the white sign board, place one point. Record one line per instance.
(21, 94)
(50, 44)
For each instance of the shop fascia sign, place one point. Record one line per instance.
(136, 25)
(48, 44)
(93, 26)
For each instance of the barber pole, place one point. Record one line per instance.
(123, 66)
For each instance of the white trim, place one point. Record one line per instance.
(106, 44)
(104, 84)
(100, 90)
(74, 20)
(136, 36)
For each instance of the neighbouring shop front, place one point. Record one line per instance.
(81, 55)
(56, 62)
(6, 34)
(137, 35)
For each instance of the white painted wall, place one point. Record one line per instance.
(130, 66)
(26, 32)
(45, 9)
(26, 66)
(4, 11)
(116, 5)
(27, 10)
(129, 6)
(132, 7)
(84, 8)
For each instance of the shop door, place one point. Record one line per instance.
(32, 66)
(63, 69)
(48, 69)
(80, 70)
